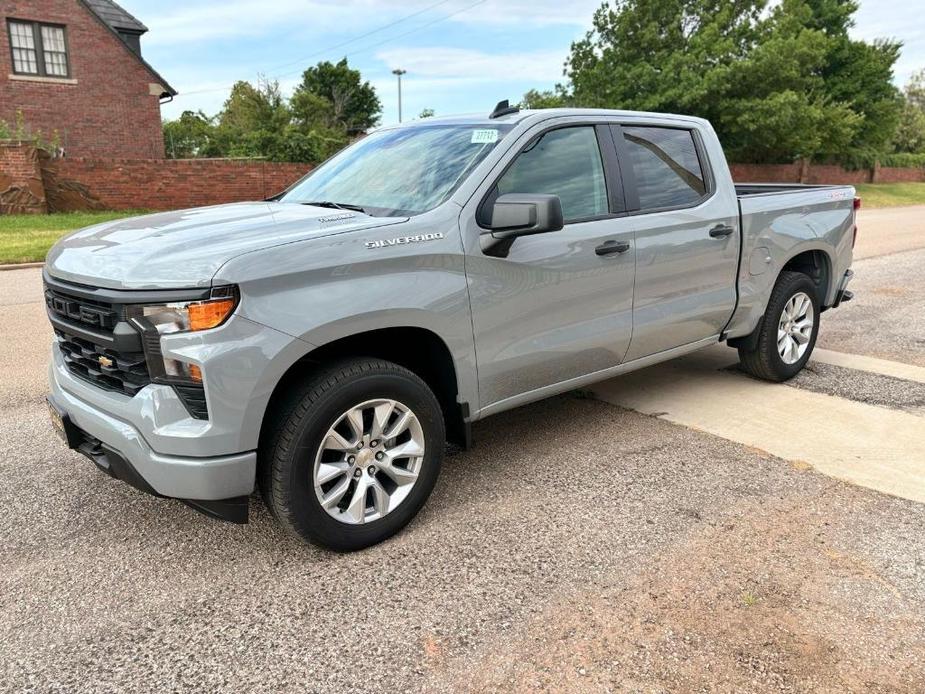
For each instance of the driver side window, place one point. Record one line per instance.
(564, 162)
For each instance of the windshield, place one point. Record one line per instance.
(399, 172)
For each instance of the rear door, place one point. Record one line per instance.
(559, 304)
(686, 235)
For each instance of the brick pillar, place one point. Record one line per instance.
(21, 187)
(804, 170)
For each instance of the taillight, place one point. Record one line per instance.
(857, 206)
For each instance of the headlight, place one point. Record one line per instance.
(179, 317)
(189, 315)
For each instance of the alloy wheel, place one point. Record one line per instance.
(795, 328)
(369, 461)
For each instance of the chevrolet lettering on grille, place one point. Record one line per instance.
(72, 310)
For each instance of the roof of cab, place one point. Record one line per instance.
(538, 115)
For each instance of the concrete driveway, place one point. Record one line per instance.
(708, 540)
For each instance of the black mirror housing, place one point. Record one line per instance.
(522, 214)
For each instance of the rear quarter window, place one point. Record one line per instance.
(666, 166)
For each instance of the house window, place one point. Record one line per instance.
(38, 49)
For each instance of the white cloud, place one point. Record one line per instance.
(203, 20)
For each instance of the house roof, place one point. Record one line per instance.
(118, 20)
(115, 16)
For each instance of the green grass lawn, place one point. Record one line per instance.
(26, 238)
(890, 194)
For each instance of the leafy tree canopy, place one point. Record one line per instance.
(778, 83)
(334, 95)
(910, 134)
(327, 108)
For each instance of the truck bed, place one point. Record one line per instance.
(750, 189)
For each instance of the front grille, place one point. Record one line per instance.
(97, 346)
(88, 313)
(100, 346)
(120, 372)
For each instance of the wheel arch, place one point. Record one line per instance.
(812, 260)
(816, 263)
(418, 349)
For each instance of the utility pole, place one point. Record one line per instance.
(399, 72)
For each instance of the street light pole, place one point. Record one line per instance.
(399, 72)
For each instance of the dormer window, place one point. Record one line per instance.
(38, 49)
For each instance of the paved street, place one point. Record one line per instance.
(678, 529)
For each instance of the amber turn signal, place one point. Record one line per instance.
(209, 314)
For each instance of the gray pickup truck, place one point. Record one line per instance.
(323, 346)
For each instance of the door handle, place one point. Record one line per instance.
(611, 246)
(721, 231)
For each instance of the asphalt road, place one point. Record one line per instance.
(580, 546)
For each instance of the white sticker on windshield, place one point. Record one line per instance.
(484, 137)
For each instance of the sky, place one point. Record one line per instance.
(461, 56)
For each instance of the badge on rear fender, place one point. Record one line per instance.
(402, 240)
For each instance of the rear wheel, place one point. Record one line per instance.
(354, 454)
(788, 330)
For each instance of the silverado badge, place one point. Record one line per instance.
(105, 361)
(385, 243)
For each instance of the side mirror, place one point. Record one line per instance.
(520, 214)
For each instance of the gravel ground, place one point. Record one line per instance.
(104, 589)
(862, 386)
(886, 318)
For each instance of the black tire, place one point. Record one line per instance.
(300, 420)
(764, 361)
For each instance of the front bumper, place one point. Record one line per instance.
(218, 486)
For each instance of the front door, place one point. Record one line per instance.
(560, 304)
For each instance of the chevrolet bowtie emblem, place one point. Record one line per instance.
(105, 362)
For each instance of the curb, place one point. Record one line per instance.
(20, 266)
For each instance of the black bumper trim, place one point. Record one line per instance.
(111, 462)
(843, 295)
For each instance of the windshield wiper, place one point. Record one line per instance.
(336, 205)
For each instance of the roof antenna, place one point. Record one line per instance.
(503, 108)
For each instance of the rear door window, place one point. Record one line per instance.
(564, 162)
(666, 166)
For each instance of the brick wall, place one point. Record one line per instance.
(822, 173)
(105, 108)
(169, 184)
(21, 188)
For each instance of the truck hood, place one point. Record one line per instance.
(186, 248)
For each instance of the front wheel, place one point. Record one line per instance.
(354, 454)
(787, 332)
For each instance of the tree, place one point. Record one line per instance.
(859, 74)
(549, 98)
(193, 134)
(426, 113)
(777, 84)
(910, 133)
(915, 90)
(333, 96)
(252, 118)
(328, 107)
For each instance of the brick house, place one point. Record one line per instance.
(75, 67)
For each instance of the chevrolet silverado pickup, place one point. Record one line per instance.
(323, 346)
